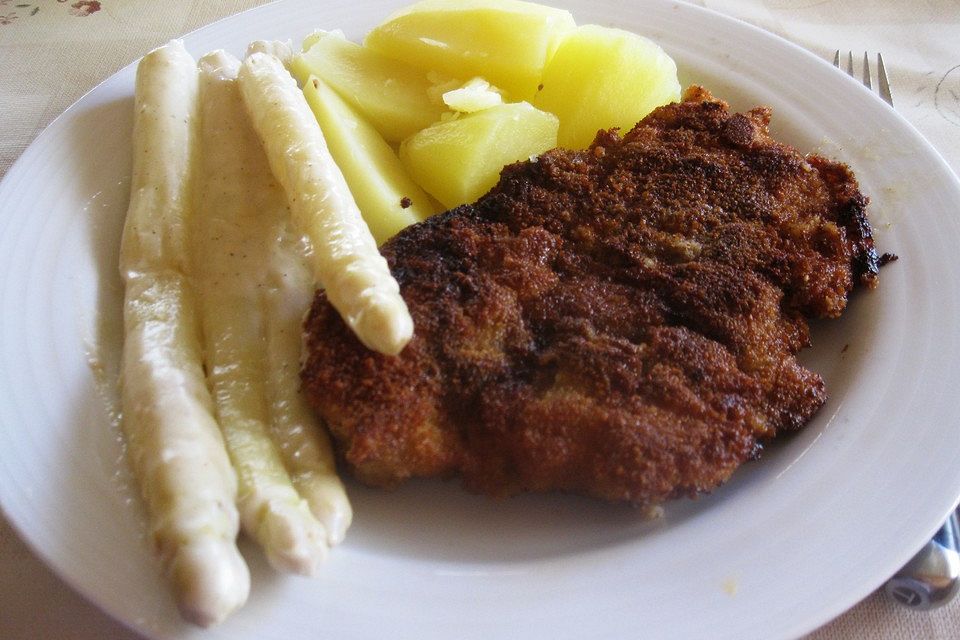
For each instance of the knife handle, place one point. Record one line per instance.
(932, 578)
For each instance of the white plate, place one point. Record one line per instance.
(791, 542)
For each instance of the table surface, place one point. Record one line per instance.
(53, 51)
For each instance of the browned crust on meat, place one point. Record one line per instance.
(620, 322)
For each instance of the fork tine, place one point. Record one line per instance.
(883, 81)
(866, 71)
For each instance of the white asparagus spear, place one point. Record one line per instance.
(174, 444)
(346, 262)
(280, 49)
(237, 214)
(304, 444)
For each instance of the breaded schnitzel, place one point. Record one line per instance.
(620, 322)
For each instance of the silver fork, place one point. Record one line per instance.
(882, 79)
(932, 577)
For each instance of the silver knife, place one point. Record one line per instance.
(932, 578)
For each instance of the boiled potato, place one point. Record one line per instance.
(475, 95)
(601, 78)
(315, 36)
(459, 160)
(506, 41)
(393, 96)
(387, 197)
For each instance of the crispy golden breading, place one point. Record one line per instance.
(619, 322)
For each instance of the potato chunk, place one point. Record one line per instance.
(506, 41)
(474, 95)
(393, 96)
(459, 160)
(602, 77)
(387, 197)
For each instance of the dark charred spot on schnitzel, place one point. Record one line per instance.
(620, 322)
